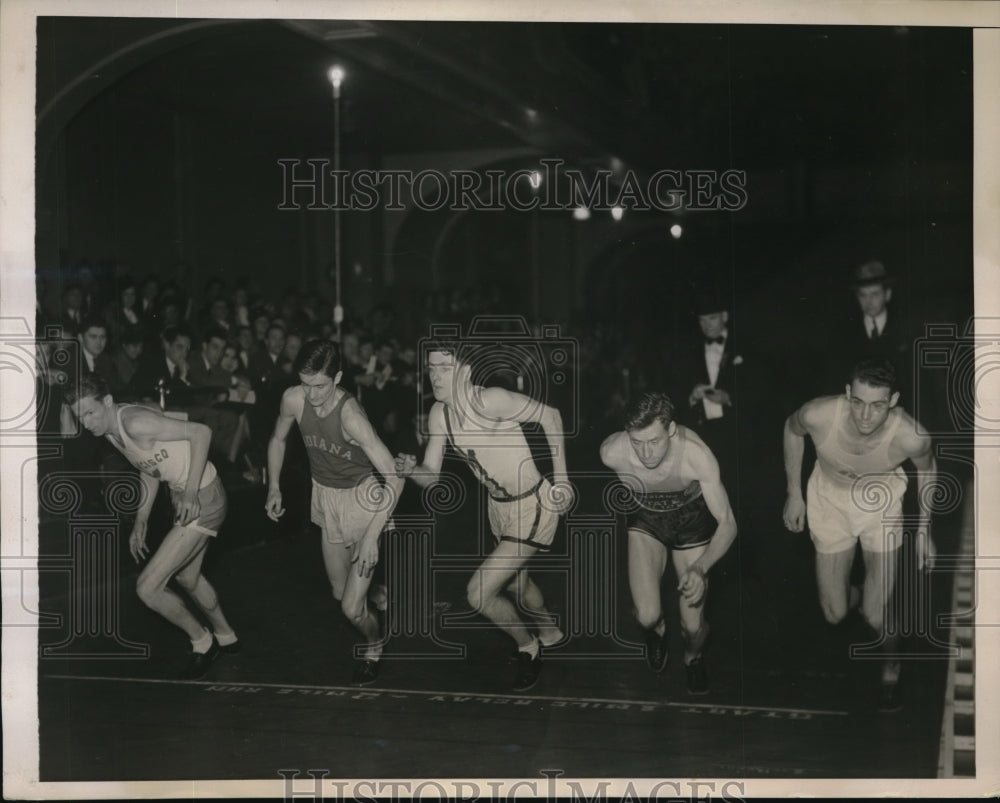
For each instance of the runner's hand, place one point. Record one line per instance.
(405, 463)
(795, 513)
(693, 585)
(273, 505)
(187, 508)
(137, 541)
(364, 554)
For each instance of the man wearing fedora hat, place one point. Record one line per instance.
(876, 332)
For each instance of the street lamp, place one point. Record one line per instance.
(336, 76)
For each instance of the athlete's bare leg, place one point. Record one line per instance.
(692, 616)
(351, 590)
(647, 560)
(485, 587)
(530, 600)
(202, 593)
(833, 574)
(880, 580)
(180, 546)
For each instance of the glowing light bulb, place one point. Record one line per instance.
(676, 231)
(581, 213)
(336, 75)
(617, 212)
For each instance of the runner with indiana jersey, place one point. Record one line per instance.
(173, 451)
(349, 504)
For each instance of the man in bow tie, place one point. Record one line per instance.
(705, 373)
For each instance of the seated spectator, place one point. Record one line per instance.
(205, 369)
(123, 312)
(128, 354)
(165, 378)
(265, 363)
(241, 309)
(149, 297)
(93, 339)
(259, 321)
(293, 344)
(71, 315)
(245, 346)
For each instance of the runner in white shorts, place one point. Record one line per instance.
(855, 493)
(173, 451)
(350, 506)
(484, 427)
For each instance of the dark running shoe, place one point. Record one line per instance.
(231, 649)
(200, 662)
(697, 680)
(656, 650)
(890, 700)
(528, 670)
(365, 673)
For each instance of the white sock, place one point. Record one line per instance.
(548, 636)
(531, 649)
(204, 644)
(225, 639)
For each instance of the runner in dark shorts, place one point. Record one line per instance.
(681, 511)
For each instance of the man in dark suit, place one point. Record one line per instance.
(705, 379)
(875, 331)
(204, 366)
(166, 370)
(93, 339)
(169, 371)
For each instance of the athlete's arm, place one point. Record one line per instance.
(358, 428)
(918, 448)
(428, 472)
(704, 467)
(797, 426)
(137, 540)
(143, 424)
(291, 408)
(505, 405)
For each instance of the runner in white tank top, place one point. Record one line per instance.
(483, 425)
(855, 493)
(173, 451)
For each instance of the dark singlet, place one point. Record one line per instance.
(335, 463)
(494, 488)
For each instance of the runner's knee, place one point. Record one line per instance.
(187, 582)
(354, 611)
(148, 589)
(875, 619)
(475, 594)
(834, 610)
(648, 615)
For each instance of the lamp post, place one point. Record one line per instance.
(336, 76)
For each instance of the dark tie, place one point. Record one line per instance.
(875, 334)
(173, 373)
(710, 340)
